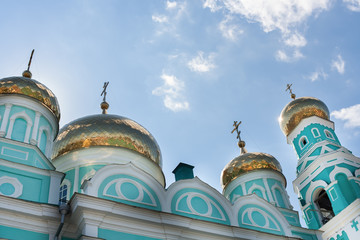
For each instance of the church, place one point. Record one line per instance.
(100, 177)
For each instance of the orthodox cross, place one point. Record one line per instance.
(288, 87)
(104, 91)
(236, 128)
(31, 56)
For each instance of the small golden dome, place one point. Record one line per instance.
(33, 89)
(300, 109)
(248, 162)
(106, 130)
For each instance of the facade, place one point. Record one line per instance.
(100, 177)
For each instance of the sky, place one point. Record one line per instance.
(186, 70)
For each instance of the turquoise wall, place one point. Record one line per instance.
(311, 139)
(35, 186)
(19, 234)
(114, 235)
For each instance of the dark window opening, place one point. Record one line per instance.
(324, 205)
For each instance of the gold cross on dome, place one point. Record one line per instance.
(236, 128)
(31, 56)
(288, 87)
(104, 91)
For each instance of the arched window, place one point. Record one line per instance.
(63, 194)
(315, 132)
(324, 206)
(303, 142)
(19, 130)
(329, 134)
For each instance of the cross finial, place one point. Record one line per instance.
(104, 105)
(241, 143)
(288, 87)
(27, 72)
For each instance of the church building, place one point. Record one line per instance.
(100, 177)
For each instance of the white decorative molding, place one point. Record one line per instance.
(47, 131)
(5, 119)
(283, 195)
(29, 123)
(120, 195)
(249, 212)
(255, 186)
(210, 203)
(313, 189)
(26, 154)
(68, 184)
(337, 170)
(18, 187)
(35, 129)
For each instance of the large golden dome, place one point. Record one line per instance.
(248, 162)
(33, 89)
(107, 130)
(300, 109)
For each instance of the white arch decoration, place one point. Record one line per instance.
(313, 186)
(29, 124)
(45, 129)
(258, 187)
(337, 170)
(285, 198)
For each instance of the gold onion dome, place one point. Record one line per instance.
(300, 109)
(107, 130)
(248, 162)
(31, 88)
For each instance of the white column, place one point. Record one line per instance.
(76, 180)
(33, 140)
(54, 190)
(5, 119)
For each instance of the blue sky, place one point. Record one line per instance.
(186, 70)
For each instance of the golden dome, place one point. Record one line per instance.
(300, 109)
(33, 89)
(248, 162)
(106, 130)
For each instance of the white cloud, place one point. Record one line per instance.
(353, 5)
(212, 4)
(283, 57)
(201, 63)
(230, 31)
(171, 5)
(172, 90)
(317, 75)
(350, 115)
(338, 64)
(280, 14)
(296, 40)
(159, 18)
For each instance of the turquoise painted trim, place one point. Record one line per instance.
(305, 236)
(16, 109)
(129, 191)
(35, 186)
(25, 154)
(20, 234)
(199, 206)
(345, 187)
(307, 133)
(115, 235)
(19, 130)
(311, 218)
(246, 219)
(43, 142)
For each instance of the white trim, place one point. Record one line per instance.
(18, 187)
(5, 119)
(68, 183)
(313, 132)
(35, 129)
(76, 180)
(328, 134)
(357, 172)
(337, 170)
(25, 117)
(15, 150)
(277, 186)
(271, 199)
